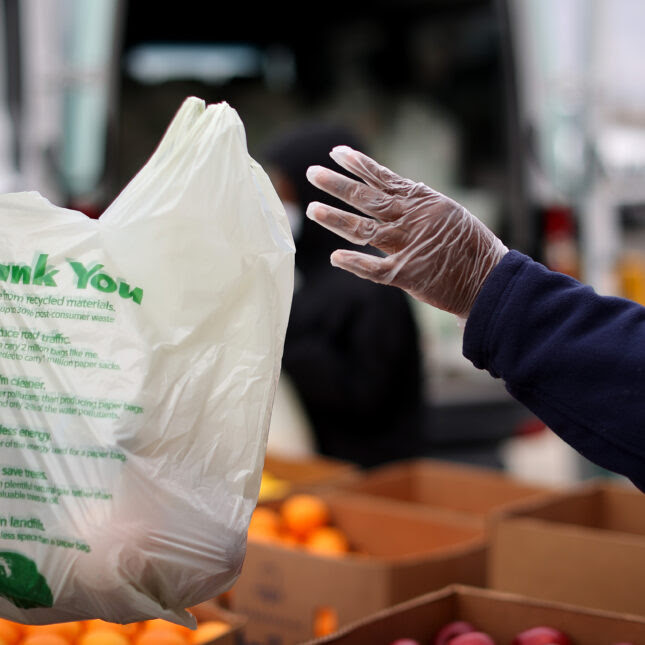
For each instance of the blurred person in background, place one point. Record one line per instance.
(572, 356)
(352, 347)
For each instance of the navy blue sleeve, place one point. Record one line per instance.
(574, 358)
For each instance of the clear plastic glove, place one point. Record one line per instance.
(434, 248)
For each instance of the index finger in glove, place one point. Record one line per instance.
(366, 198)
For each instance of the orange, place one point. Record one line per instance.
(264, 524)
(43, 638)
(161, 625)
(289, 540)
(10, 632)
(103, 638)
(68, 631)
(98, 625)
(265, 516)
(160, 637)
(208, 630)
(303, 513)
(325, 621)
(327, 540)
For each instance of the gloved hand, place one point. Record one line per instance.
(434, 248)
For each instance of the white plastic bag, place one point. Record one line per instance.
(139, 355)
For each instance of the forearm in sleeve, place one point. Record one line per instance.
(576, 359)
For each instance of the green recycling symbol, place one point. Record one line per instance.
(22, 583)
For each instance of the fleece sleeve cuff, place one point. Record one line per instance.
(484, 313)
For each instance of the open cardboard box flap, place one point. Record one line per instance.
(310, 470)
(596, 503)
(283, 476)
(383, 529)
(459, 488)
(586, 546)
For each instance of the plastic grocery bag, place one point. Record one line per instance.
(139, 355)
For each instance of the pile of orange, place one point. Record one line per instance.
(301, 520)
(99, 632)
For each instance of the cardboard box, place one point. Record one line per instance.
(470, 490)
(585, 546)
(210, 610)
(501, 615)
(305, 474)
(410, 552)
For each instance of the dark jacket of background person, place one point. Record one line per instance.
(575, 358)
(352, 347)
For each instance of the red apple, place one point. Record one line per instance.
(541, 636)
(450, 630)
(472, 638)
(405, 641)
